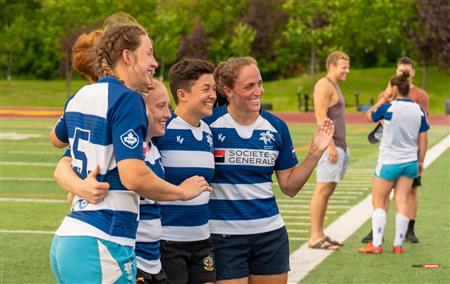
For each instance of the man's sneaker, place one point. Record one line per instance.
(398, 250)
(371, 249)
(411, 237)
(368, 238)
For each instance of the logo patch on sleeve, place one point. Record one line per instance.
(130, 139)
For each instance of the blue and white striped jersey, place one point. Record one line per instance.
(104, 123)
(403, 121)
(149, 228)
(186, 151)
(245, 158)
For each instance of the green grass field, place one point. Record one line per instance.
(27, 165)
(282, 93)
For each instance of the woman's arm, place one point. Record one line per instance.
(89, 188)
(293, 179)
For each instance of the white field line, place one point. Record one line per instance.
(297, 231)
(32, 200)
(25, 179)
(28, 153)
(298, 238)
(307, 206)
(303, 260)
(302, 211)
(297, 223)
(29, 164)
(32, 232)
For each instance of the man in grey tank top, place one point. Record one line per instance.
(329, 103)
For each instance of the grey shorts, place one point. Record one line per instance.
(328, 172)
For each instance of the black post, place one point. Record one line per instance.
(357, 99)
(299, 98)
(306, 101)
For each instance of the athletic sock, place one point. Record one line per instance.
(401, 225)
(411, 225)
(378, 223)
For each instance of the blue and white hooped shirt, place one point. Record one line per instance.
(149, 228)
(104, 123)
(186, 151)
(403, 120)
(245, 159)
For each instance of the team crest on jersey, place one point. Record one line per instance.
(128, 267)
(130, 139)
(208, 263)
(266, 137)
(82, 203)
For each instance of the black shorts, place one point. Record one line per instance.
(188, 262)
(238, 256)
(417, 181)
(143, 277)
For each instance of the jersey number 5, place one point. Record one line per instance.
(80, 139)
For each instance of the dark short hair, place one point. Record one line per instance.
(405, 60)
(183, 74)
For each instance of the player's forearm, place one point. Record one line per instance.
(136, 176)
(55, 140)
(423, 146)
(66, 177)
(373, 108)
(299, 175)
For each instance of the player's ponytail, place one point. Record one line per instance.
(402, 83)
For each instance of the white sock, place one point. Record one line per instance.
(401, 225)
(378, 223)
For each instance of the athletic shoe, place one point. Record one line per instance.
(370, 249)
(368, 238)
(411, 237)
(398, 250)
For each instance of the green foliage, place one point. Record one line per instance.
(287, 37)
(242, 40)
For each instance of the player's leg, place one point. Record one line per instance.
(402, 189)
(328, 175)
(413, 205)
(318, 208)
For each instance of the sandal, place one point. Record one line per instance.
(324, 244)
(334, 242)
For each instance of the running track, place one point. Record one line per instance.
(289, 117)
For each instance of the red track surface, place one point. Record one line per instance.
(293, 117)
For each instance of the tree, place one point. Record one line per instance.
(429, 31)
(241, 42)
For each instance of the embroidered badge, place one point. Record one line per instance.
(208, 263)
(130, 139)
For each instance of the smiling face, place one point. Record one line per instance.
(200, 99)
(143, 64)
(157, 101)
(246, 94)
(340, 71)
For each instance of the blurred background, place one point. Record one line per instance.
(289, 39)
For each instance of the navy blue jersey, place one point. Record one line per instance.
(104, 123)
(186, 151)
(245, 159)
